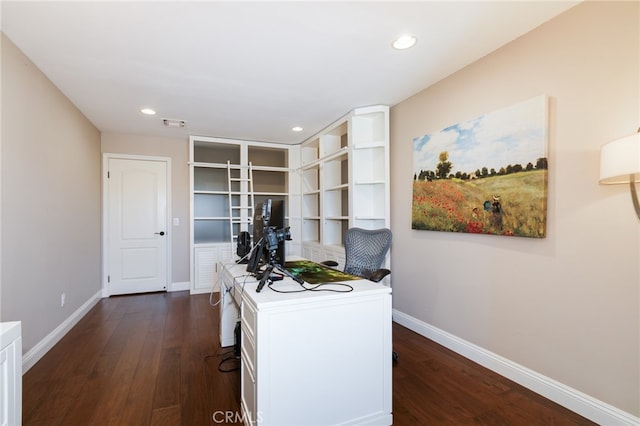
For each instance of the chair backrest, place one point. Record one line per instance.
(365, 250)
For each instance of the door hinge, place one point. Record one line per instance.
(108, 175)
(108, 278)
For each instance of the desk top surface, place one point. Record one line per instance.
(287, 291)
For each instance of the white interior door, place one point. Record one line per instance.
(137, 226)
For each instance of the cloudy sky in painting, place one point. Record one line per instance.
(512, 135)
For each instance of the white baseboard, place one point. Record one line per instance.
(43, 346)
(183, 286)
(572, 399)
(215, 289)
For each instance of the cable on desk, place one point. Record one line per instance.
(225, 358)
(317, 287)
(211, 298)
(220, 286)
(243, 257)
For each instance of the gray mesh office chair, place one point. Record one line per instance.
(365, 251)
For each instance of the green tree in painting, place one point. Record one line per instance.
(444, 166)
(541, 163)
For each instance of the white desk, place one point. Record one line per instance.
(311, 358)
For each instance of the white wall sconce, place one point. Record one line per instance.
(620, 163)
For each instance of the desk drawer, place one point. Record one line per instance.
(249, 318)
(248, 351)
(248, 394)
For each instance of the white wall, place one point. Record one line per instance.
(566, 306)
(50, 201)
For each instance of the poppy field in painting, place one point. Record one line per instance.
(485, 176)
(457, 205)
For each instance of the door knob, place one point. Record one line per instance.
(159, 233)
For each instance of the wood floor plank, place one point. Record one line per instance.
(167, 385)
(196, 387)
(118, 386)
(140, 398)
(155, 359)
(166, 416)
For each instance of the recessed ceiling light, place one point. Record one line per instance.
(148, 111)
(297, 129)
(404, 42)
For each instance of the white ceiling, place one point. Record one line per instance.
(253, 70)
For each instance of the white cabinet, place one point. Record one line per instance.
(313, 358)
(10, 373)
(206, 268)
(344, 174)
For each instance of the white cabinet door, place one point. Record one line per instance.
(206, 268)
(10, 373)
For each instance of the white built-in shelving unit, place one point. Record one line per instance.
(337, 179)
(344, 176)
(221, 198)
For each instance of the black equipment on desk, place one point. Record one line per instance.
(244, 246)
(269, 236)
(237, 338)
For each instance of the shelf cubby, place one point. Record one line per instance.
(209, 179)
(311, 229)
(270, 181)
(310, 152)
(369, 165)
(311, 204)
(211, 231)
(211, 205)
(215, 152)
(370, 127)
(260, 156)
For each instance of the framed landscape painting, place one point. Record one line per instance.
(485, 176)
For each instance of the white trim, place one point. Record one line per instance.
(572, 399)
(43, 346)
(183, 286)
(205, 290)
(105, 214)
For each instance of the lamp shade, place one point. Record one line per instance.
(620, 159)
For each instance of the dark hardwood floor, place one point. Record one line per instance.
(155, 359)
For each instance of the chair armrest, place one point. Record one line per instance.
(379, 274)
(331, 263)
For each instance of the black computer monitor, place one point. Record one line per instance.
(268, 227)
